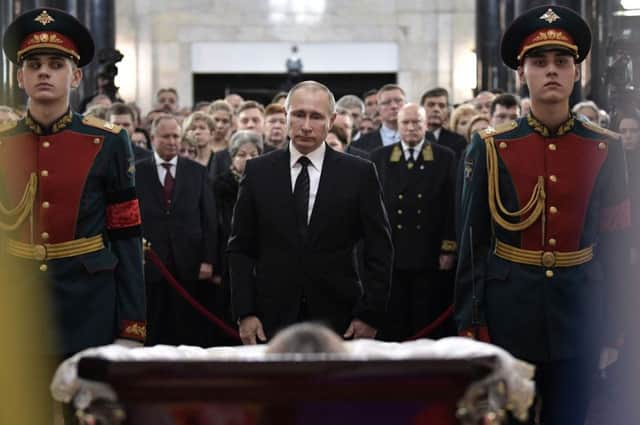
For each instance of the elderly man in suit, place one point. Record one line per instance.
(299, 215)
(179, 221)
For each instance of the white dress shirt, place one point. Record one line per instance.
(388, 135)
(314, 169)
(162, 172)
(417, 149)
(436, 133)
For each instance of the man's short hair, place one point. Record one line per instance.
(250, 104)
(162, 117)
(586, 104)
(201, 104)
(220, 105)
(306, 338)
(278, 96)
(389, 87)
(98, 111)
(506, 99)
(274, 108)
(350, 101)
(121, 109)
(314, 85)
(198, 116)
(435, 92)
(370, 93)
(166, 90)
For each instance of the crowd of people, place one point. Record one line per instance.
(222, 135)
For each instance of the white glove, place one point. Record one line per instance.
(608, 356)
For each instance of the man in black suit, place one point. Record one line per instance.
(299, 215)
(391, 98)
(436, 104)
(123, 115)
(178, 218)
(418, 179)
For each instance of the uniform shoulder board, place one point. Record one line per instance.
(597, 129)
(502, 128)
(8, 125)
(92, 121)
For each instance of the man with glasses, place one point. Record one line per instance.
(391, 98)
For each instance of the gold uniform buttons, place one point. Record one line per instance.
(418, 227)
(419, 212)
(553, 210)
(400, 196)
(503, 145)
(46, 144)
(553, 178)
(552, 147)
(44, 236)
(44, 173)
(419, 195)
(45, 204)
(96, 141)
(549, 274)
(602, 146)
(399, 212)
(399, 226)
(552, 242)
(43, 267)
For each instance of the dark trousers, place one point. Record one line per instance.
(563, 390)
(417, 298)
(171, 319)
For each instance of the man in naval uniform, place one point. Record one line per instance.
(544, 212)
(68, 201)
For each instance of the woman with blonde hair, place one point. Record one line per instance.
(460, 119)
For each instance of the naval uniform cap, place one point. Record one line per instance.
(547, 27)
(48, 30)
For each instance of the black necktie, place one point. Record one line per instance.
(301, 196)
(411, 162)
(169, 183)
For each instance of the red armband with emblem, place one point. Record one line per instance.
(616, 217)
(123, 215)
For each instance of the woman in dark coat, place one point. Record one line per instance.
(243, 146)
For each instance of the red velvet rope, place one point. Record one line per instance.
(433, 325)
(151, 255)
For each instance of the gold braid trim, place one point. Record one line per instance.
(23, 208)
(535, 205)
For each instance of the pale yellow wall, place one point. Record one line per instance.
(435, 38)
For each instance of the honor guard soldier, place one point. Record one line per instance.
(543, 248)
(68, 201)
(418, 181)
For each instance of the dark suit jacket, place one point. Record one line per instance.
(357, 152)
(451, 140)
(272, 269)
(369, 142)
(186, 232)
(420, 203)
(141, 154)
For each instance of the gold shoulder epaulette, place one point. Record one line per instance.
(92, 121)
(8, 125)
(597, 129)
(502, 128)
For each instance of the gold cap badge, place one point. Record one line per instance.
(44, 18)
(550, 16)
